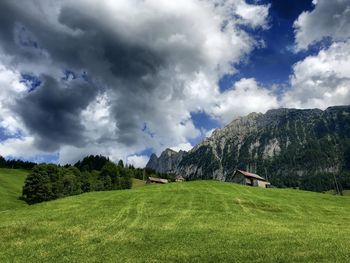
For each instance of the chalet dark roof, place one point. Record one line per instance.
(251, 175)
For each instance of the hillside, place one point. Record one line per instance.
(200, 221)
(11, 182)
(286, 145)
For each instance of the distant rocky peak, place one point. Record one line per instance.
(167, 161)
(168, 152)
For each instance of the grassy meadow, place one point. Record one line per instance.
(11, 182)
(200, 221)
(137, 183)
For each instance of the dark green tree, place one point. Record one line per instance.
(71, 181)
(109, 177)
(121, 163)
(37, 187)
(92, 162)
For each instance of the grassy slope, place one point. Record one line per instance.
(137, 183)
(345, 192)
(11, 182)
(202, 221)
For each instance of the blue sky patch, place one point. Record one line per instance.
(69, 75)
(5, 135)
(31, 81)
(202, 120)
(273, 63)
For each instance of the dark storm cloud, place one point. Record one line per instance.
(8, 19)
(52, 112)
(131, 62)
(13, 16)
(126, 59)
(128, 62)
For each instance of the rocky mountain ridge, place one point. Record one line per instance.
(167, 162)
(282, 144)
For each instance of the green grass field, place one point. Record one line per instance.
(201, 221)
(137, 183)
(11, 182)
(345, 192)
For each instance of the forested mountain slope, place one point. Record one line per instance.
(289, 146)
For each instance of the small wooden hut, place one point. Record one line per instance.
(246, 178)
(179, 178)
(155, 180)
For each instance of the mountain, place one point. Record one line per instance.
(167, 162)
(284, 145)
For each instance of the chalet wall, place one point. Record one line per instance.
(237, 178)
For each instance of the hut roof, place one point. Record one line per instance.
(158, 180)
(251, 175)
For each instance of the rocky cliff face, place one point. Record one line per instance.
(283, 144)
(167, 162)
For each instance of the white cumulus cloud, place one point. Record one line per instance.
(244, 97)
(182, 147)
(328, 19)
(322, 80)
(138, 161)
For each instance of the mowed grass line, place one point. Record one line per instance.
(11, 182)
(201, 221)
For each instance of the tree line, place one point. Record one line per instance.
(16, 164)
(322, 182)
(91, 163)
(94, 173)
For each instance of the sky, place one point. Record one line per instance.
(128, 78)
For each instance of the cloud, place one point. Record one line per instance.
(52, 113)
(244, 97)
(328, 19)
(139, 68)
(10, 89)
(182, 147)
(138, 161)
(321, 80)
(20, 147)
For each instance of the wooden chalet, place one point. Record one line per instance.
(246, 178)
(156, 180)
(179, 178)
